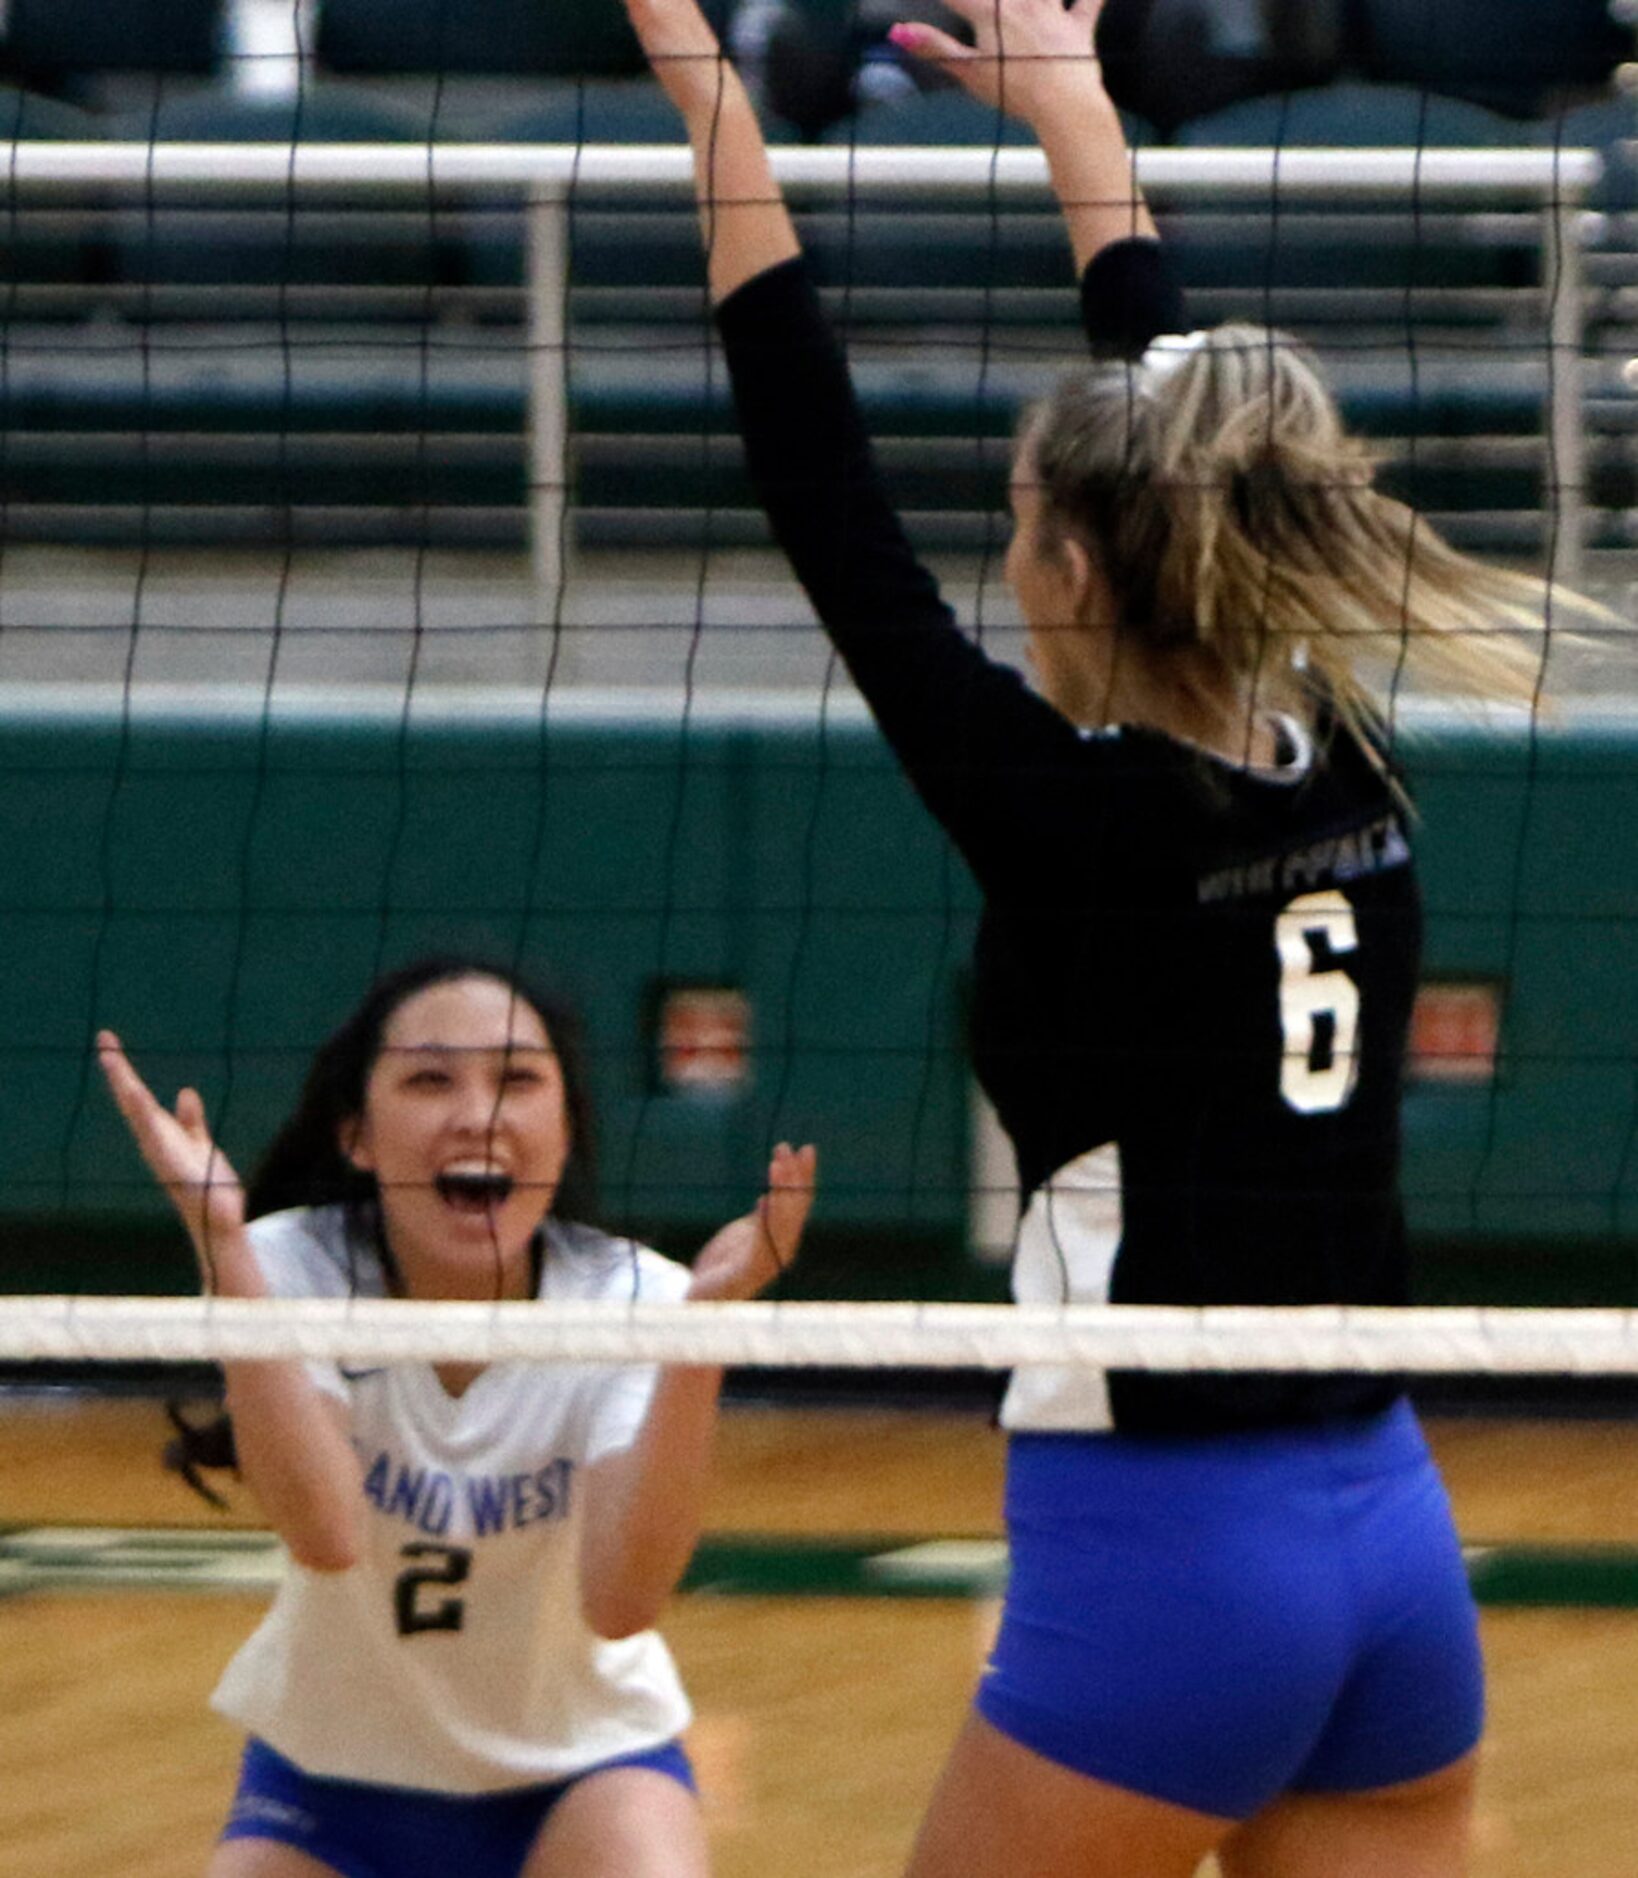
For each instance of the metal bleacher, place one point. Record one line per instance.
(317, 367)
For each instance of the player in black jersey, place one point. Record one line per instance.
(1237, 1619)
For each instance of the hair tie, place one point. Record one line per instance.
(1165, 355)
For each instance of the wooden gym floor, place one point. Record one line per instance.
(822, 1719)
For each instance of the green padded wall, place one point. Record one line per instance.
(220, 888)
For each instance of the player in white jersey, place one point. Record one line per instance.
(459, 1673)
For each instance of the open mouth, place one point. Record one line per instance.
(474, 1192)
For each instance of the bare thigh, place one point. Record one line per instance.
(629, 1822)
(1002, 1811)
(1416, 1830)
(264, 1858)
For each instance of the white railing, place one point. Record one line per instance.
(1442, 175)
(1553, 183)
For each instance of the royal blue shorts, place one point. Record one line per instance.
(365, 1831)
(1218, 1621)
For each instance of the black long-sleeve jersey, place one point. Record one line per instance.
(1192, 982)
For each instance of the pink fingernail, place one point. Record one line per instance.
(902, 35)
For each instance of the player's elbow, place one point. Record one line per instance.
(325, 1553)
(615, 1611)
(325, 1543)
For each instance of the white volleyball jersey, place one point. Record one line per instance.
(453, 1655)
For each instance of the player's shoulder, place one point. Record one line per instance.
(312, 1251)
(1356, 786)
(586, 1262)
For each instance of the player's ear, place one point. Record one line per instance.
(353, 1139)
(1080, 572)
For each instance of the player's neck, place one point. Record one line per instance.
(1195, 704)
(441, 1274)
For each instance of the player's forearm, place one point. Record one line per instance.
(643, 1520)
(1080, 131)
(297, 1461)
(744, 223)
(290, 1445)
(742, 217)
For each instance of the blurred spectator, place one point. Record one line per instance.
(813, 63)
(1521, 57)
(1170, 60)
(1166, 60)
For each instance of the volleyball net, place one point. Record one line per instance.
(379, 578)
(1434, 1341)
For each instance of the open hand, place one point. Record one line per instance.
(1025, 50)
(180, 1153)
(750, 1252)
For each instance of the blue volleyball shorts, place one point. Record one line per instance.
(1218, 1621)
(365, 1831)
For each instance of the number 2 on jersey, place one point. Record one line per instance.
(453, 1562)
(1319, 1005)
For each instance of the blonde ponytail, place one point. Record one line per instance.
(1238, 523)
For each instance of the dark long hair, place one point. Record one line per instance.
(304, 1164)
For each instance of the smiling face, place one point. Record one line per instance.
(466, 1130)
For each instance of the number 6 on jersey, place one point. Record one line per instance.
(1319, 1008)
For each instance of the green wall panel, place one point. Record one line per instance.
(221, 887)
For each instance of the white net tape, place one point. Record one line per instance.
(855, 1336)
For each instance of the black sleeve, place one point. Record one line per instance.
(1130, 295)
(976, 742)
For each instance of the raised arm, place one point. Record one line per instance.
(973, 738)
(1035, 60)
(291, 1441)
(743, 219)
(644, 1504)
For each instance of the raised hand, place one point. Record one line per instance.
(180, 1154)
(750, 1252)
(1025, 52)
